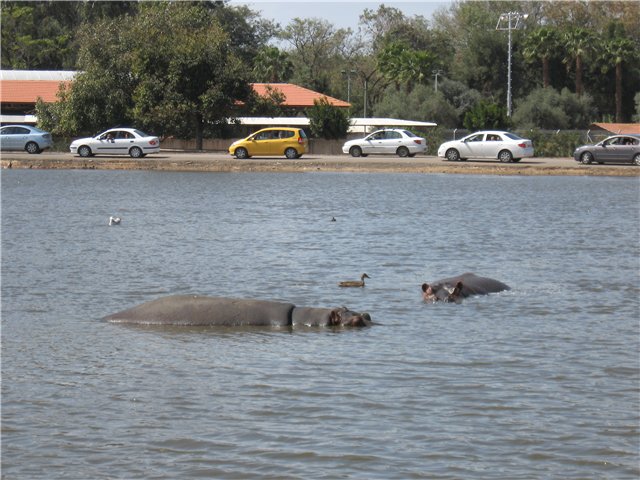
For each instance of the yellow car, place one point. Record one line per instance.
(290, 142)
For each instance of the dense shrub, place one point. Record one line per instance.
(487, 116)
(327, 121)
(554, 144)
(547, 108)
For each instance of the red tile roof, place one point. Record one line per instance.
(28, 91)
(619, 128)
(296, 96)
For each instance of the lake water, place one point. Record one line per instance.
(542, 381)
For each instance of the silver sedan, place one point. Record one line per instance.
(615, 149)
(24, 137)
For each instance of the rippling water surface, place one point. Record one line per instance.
(538, 382)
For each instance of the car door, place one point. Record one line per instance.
(8, 138)
(623, 150)
(374, 142)
(260, 143)
(471, 147)
(105, 144)
(607, 151)
(124, 141)
(392, 140)
(491, 145)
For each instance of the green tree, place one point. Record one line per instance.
(315, 46)
(579, 44)
(615, 54)
(421, 104)
(272, 65)
(541, 44)
(170, 69)
(486, 115)
(549, 109)
(327, 121)
(40, 35)
(403, 65)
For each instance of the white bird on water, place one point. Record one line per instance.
(114, 221)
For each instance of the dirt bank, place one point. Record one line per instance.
(218, 162)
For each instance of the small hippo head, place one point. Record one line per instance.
(343, 317)
(442, 293)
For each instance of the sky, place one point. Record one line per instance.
(345, 14)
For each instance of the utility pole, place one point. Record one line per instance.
(514, 21)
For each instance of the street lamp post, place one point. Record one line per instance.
(435, 74)
(514, 21)
(348, 74)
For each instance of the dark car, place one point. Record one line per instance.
(615, 149)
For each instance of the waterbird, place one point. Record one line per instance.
(355, 283)
(114, 221)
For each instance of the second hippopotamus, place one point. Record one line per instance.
(196, 310)
(454, 289)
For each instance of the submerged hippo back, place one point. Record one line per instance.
(200, 310)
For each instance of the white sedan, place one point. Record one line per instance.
(117, 141)
(392, 141)
(504, 146)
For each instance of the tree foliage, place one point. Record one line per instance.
(170, 69)
(487, 115)
(327, 121)
(590, 48)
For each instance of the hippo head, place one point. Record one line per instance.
(343, 317)
(442, 293)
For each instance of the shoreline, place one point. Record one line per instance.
(220, 162)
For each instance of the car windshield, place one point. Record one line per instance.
(140, 133)
(408, 133)
(513, 136)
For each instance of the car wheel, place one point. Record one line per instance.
(355, 151)
(135, 152)
(84, 151)
(505, 156)
(586, 158)
(636, 159)
(452, 155)
(291, 153)
(241, 153)
(403, 152)
(32, 147)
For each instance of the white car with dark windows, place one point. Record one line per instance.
(503, 146)
(392, 141)
(24, 137)
(117, 141)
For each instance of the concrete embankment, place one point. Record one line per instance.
(218, 162)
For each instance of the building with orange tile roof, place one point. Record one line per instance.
(20, 89)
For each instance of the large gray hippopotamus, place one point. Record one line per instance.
(195, 310)
(454, 289)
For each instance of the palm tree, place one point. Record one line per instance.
(615, 53)
(272, 65)
(578, 43)
(542, 44)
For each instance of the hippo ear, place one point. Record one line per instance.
(334, 317)
(425, 287)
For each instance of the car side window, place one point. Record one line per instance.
(285, 134)
(393, 135)
(475, 138)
